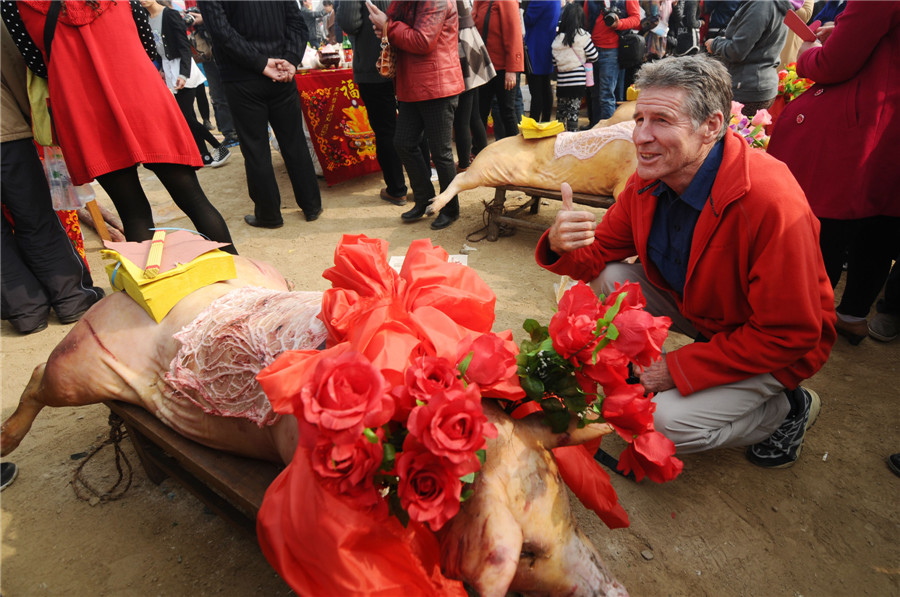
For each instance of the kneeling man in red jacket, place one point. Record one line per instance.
(729, 249)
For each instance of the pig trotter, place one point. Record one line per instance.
(16, 427)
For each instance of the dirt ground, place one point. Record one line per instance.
(828, 526)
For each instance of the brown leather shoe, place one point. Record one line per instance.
(855, 331)
(398, 201)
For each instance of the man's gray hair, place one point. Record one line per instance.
(706, 81)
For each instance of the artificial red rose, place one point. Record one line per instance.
(608, 368)
(634, 297)
(345, 395)
(651, 454)
(453, 426)
(493, 365)
(627, 410)
(429, 490)
(641, 335)
(426, 377)
(349, 468)
(572, 327)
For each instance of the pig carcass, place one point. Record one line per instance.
(598, 161)
(516, 533)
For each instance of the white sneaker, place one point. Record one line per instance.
(220, 155)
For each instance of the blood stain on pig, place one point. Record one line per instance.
(97, 339)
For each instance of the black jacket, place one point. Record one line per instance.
(175, 41)
(246, 34)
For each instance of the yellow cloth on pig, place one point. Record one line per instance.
(532, 129)
(189, 263)
(631, 94)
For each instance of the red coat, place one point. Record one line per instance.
(504, 35)
(426, 33)
(841, 137)
(756, 285)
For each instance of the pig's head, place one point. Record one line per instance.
(517, 532)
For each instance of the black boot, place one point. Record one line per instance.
(416, 212)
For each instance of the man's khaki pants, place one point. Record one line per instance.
(737, 414)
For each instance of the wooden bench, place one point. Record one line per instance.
(231, 486)
(496, 214)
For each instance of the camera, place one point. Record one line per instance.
(611, 15)
(188, 17)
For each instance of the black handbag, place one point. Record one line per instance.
(528, 69)
(632, 48)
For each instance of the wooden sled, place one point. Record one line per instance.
(231, 486)
(496, 215)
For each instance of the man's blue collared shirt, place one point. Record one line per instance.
(669, 242)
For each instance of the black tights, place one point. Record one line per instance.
(869, 244)
(185, 99)
(124, 188)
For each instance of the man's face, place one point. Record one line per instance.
(668, 146)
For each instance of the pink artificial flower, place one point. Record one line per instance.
(453, 426)
(429, 490)
(761, 118)
(737, 108)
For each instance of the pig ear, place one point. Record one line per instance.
(573, 436)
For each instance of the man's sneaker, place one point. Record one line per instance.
(884, 326)
(208, 125)
(8, 472)
(220, 155)
(231, 141)
(782, 449)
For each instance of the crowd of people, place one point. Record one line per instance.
(702, 211)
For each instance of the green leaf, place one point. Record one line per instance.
(482, 456)
(397, 510)
(534, 389)
(470, 478)
(464, 365)
(466, 495)
(531, 326)
(558, 421)
(370, 435)
(390, 454)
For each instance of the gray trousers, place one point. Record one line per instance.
(736, 414)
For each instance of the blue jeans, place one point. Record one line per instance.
(603, 93)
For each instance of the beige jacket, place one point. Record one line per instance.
(792, 43)
(15, 111)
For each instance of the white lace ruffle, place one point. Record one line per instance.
(586, 144)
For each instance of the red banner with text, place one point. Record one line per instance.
(338, 123)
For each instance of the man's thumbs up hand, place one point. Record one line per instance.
(572, 229)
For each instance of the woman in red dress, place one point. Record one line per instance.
(111, 111)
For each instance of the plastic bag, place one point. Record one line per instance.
(63, 194)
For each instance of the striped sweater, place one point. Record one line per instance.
(569, 60)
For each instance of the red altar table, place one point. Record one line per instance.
(338, 123)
